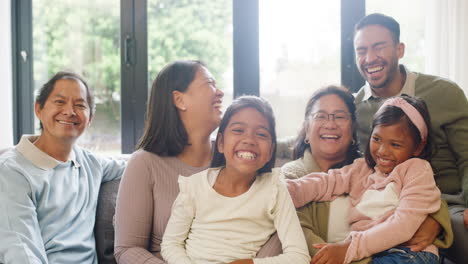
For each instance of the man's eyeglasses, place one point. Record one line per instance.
(339, 118)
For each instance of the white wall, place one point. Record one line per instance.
(6, 87)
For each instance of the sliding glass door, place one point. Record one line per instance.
(82, 36)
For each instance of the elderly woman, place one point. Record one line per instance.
(327, 140)
(183, 110)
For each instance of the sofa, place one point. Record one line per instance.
(104, 228)
(105, 211)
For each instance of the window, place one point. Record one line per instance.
(200, 30)
(84, 37)
(412, 27)
(119, 46)
(299, 53)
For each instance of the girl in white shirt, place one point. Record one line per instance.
(226, 213)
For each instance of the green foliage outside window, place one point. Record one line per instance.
(190, 29)
(84, 36)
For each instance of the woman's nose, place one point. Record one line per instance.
(219, 93)
(330, 123)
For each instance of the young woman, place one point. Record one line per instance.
(183, 110)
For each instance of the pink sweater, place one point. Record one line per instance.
(375, 227)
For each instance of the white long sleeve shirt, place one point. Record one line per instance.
(207, 227)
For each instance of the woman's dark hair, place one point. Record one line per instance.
(164, 132)
(391, 115)
(353, 150)
(48, 87)
(264, 108)
(381, 20)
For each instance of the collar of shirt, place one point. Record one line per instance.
(310, 165)
(408, 87)
(39, 158)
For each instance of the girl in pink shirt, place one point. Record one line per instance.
(391, 190)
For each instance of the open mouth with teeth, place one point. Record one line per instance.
(66, 123)
(330, 137)
(384, 162)
(246, 155)
(374, 69)
(385, 165)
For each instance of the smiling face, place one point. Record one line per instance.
(377, 56)
(391, 145)
(202, 101)
(66, 113)
(329, 139)
(246, 142)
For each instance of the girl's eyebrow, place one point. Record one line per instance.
(237, 123)
(397, 141)
(244, 124)
(391, 139)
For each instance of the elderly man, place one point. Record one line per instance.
(49, 186)
(378, 50)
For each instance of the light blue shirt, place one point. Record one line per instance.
(48, 207)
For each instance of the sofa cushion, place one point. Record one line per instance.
(104, 227)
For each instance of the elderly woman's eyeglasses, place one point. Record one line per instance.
(339, 118)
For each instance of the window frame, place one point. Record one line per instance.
(134, 61)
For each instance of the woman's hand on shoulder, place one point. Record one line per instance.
(333, 253)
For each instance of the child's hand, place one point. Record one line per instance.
(465, 218)
(330, 253)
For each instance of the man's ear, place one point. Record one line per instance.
(90, 120)
(178, 99)
(220, 143)
(400, 50)
(37, 110)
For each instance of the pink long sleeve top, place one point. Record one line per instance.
(385, 209)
